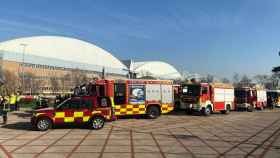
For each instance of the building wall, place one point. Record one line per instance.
(43, 76)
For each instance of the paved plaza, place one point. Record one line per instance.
(176, 135)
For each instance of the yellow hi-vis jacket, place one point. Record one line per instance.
(13, 99)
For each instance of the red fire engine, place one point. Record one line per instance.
(134, 97)
(206, 98)
(249, 98)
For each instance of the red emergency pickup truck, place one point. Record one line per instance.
(90, 110)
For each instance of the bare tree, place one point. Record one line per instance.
(11, 83)
(54, 84)
(272, 82)
(245, 81)
(208, 79)
(36, 84)
(78, 77)
(29, 82)
(236, 79)
(225, 80)
(65, 82)
(262, 79)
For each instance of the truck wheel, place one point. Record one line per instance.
(43, 124)
(177, 106)
(250, 108)
(153, 112)
(97, 122)
(206, 111)
(238, 109)
(189, 111)
(227, 111)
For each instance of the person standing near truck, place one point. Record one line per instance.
(12, 102)
(3, 109)
(18, 101)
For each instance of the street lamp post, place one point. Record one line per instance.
(22, 66)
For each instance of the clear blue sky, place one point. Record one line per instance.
(219, 37)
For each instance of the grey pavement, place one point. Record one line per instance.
(176, 135)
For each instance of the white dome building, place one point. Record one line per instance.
(56, 62)
(155, 69)
(61, 52)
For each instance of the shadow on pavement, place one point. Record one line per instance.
(183, 113)
(26, 126)
(19, 126)
(22, 115)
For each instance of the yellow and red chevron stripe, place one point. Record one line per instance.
(166, 108)
(65, 117)
(138, 109)
(130, 109)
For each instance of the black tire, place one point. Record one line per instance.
(97, 122)
(227, 111)
(189, 111)
(177, 106)
(250, 108)
(153, 112)
(43, 124)
(207, 111)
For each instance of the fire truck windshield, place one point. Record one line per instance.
(191, 90)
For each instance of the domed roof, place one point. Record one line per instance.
(63, 48)
(157, 69)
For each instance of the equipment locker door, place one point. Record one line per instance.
(219, 99)
(167, 94)
(153, 92)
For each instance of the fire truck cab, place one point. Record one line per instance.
(207, 98)
(91, 110)
(273, 98)
(135, 97)
(248, 98)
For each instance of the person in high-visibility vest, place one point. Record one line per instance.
(13, 101)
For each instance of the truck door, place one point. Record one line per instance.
(65, 112)
(104, 105)
(153, 93)
(205, 94)
(219, 99)
(120, 93)
(82, 110)
(167, 94)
